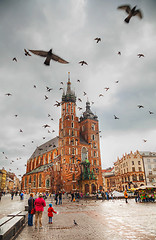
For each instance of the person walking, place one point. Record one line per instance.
(50, 213)
(12, 195)
(39, 207)
(60, 198)
(30, 207)
(126, 196)
(56, 198)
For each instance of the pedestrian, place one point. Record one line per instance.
(12, 195)
(72, 195)
(136, 196)
(60, 198)
(30, 207)
(56, 198)
(21, 195)
(50, 213)
(103, 195)
(107, 195)
(126, 196)
(39, 207)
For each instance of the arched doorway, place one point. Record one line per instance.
(86, 188)
(93, 188)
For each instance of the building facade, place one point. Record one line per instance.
(109, 179)
(129, 171)
(149, 162)
(71, 161)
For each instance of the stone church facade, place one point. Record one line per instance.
(71, 161)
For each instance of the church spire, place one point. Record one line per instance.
(70, 95)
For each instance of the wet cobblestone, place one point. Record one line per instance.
(99, 220)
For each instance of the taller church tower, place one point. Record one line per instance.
(69, 140)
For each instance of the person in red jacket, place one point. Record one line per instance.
(39, 208)
(50, 213)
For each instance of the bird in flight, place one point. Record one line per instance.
(119, 53)
(45, 97)
(97, 39)
(61, 83)
(49, 89)
(60, 88)
(48, 55)
(106, 88)
(140, 106)
(14, 59)
(144, 140)
(45, 125)
(140, 55)
(115, 117)
(79, 108)
(151, 112)
(79, 99)
(58, 104)
(131, 12)
(78, 80)
(8, 94)
(16, 115)
(84, 93)
(26, 53)
(100, 95)
(34, 86)
(83, 62)
(21, 130)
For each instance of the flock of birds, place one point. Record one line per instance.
(49, 55)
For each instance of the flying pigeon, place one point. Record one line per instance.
(140, 55)
(46, 97)
(26, 53)
(106, 88)
(131, 12)
(115, 117)
(83, 62)
(119, 53)
(97, 39)
(45, 125)
(78, 80)
(84, 93)
(61, 83)
(14, 59)
(151, 112)
(140, 106)
(48, 55)
(100, 95)
(8, 94)
(79, 99)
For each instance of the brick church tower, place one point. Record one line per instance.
(78, 143)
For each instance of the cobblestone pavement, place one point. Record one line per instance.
(8, 206)
(113, 219)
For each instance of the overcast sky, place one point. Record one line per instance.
(69, 28)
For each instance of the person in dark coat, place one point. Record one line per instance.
(30, 207)
(56, 198)
(60, 198)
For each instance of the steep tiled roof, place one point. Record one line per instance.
(46, 147)
(40, 169)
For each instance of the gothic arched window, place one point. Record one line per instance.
(84, 154)
(40, 180)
